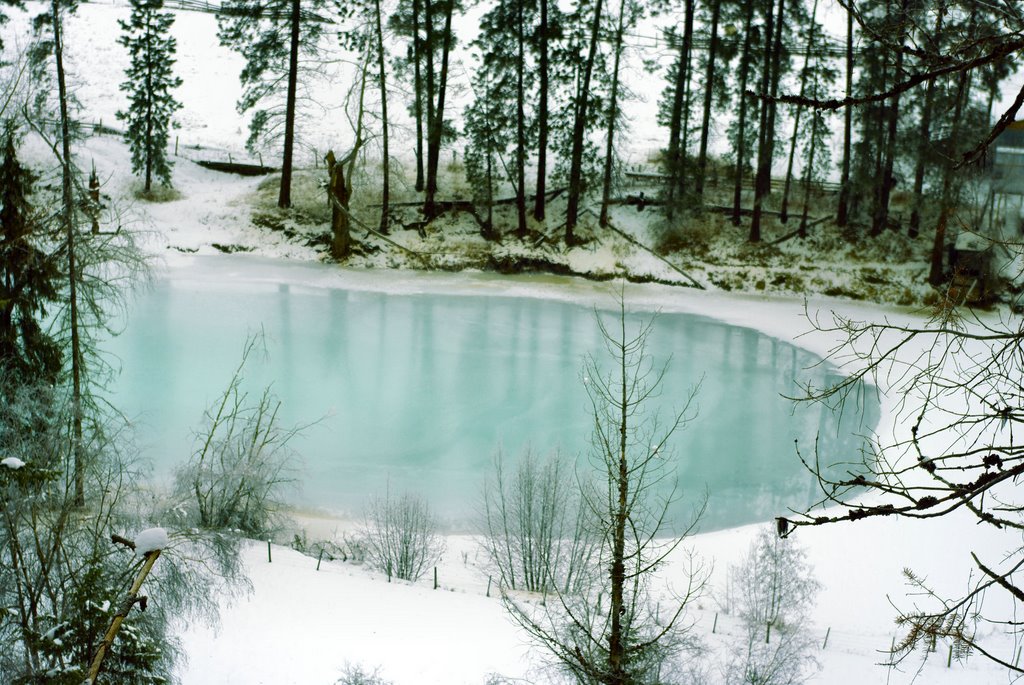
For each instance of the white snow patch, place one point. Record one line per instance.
(150, 540)
(12, 463)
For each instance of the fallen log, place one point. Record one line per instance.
(236, 168)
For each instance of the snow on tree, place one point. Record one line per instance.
(12, 463)
(776, 592)
(149, 83)
(150, 540)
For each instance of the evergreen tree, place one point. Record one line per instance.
(629, 13)
(407, 21)
(741, 131)
(507, 81)
(149, 84)
(485, 122)
(582, 78)
(29, 279)
(270, 34)
(428, 26)
(675, 110)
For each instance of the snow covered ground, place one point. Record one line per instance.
(301, 625)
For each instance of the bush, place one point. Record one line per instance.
(534, 527)
(235, 479)
(401, 536)
(353, 674)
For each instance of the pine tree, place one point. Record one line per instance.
(149, 84)
(29, 278)
(583, 76)
(507, 81)
(485, 121)
(270, 34)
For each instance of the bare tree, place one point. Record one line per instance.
(402, 536)
(535, 528)
(956, 381)
(629, 639)
(241, 466)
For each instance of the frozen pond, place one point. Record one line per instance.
(420, 390)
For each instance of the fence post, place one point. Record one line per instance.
(319, 559)
(261, 157)
(714, 626)
(435, 577)
(269, 560)
(489, 594)
(825, 643)
(949, 659)
(175, 146)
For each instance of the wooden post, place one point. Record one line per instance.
(175, 146)
(319, 558)
(949, 659)
(714, 626)
(435, 577)
(260, 154)
(825, 643)
(269, 560)
(489, 594)
(133, 592)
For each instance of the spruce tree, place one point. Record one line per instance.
(149, 84)
(29, 279)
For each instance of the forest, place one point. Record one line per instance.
(501, 136)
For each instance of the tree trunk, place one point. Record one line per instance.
(923, 142)
(520, 124)
(765, 149)
(616, 641)
(842, 212)
(579, 130)
(338, 192)
(737, 193)
(284, 200)
(418, 87)
(613, 115)
(68, 219)
(709, 91)
(808, 175)
(542, 115)
(431, 79)
(149, 106)
(880, 217)
(784, 209)
(675, 130)
(935, 274)
(436, 124)
(684, 143)
(385, 193)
